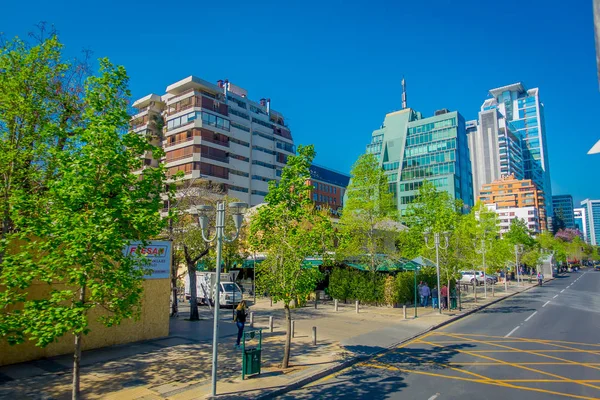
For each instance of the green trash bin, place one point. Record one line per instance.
(251, 356)
(252, 361)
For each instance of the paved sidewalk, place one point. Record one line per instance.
(179, 366)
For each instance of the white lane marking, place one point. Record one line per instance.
(562, 290)
(511, 332)
(555, 296)
(528, 318)
(435, 396)
(546, 303)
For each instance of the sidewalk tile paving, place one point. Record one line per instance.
(179, 367)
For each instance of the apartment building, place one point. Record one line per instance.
(506, 216)
(509, 193)
(215, 133)
(329, 187)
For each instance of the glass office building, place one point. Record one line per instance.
(563, 212)
(592, 221)
(412, 149)
(523, 113)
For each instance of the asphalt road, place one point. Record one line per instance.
(541, 344)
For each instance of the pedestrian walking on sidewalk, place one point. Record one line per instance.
(241, 312)
(540, 278)
(444, 293)
(419, 293)
(434, 297)
(425, 293)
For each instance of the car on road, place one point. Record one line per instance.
(477, 276)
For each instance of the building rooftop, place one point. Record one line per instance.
(514, 87)
(146, 100)
(192, 82)
(329, 175)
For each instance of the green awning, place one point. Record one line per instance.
(312, 262)
(250, 263)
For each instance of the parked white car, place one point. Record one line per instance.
(477, 276)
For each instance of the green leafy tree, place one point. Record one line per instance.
(365, 228)
(41, 102)
(518, 233)
(546, 241)
(72, 234)
(288, 229)
(434, 211)
(340, 284)
(186, 234)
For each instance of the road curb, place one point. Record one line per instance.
(355, 360)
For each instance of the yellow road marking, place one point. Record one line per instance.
(535, 352)
(495, 363)
(561, 346)
(485, 382)
(443, 333)
(524, 367)
(343, 371)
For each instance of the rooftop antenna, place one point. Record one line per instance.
(403, 94)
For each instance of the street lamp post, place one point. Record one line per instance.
(518, 252)
(437, 246)
(482, 252)
(237, 210)
(415, 282)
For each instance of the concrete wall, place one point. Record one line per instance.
(153, 323)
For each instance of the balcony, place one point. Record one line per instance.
(215, 157)
(176, 142)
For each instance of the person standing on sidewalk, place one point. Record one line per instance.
(419, 291)
(241, 312)
(425, 292)
(434, 297)
(444, 293)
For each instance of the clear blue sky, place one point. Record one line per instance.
(333, 68)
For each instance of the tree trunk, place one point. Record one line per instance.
(174, 306)
(77, 354)
(448, 296)
(194, 316)
(288, 337)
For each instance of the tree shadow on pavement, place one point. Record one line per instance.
(380, 377)
(357, 383)
(423, 358)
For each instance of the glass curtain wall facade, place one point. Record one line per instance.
(524, 115)
(592, 221)
(563, 212)
(412, 149)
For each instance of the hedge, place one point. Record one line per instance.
(377, 287)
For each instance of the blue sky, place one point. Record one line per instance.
(333, 68)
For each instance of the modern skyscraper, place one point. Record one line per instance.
(412, 149)
(495, 150)
(215, 133)
(579, 218)
(563, 212)
(592, 221)
(513, 115)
